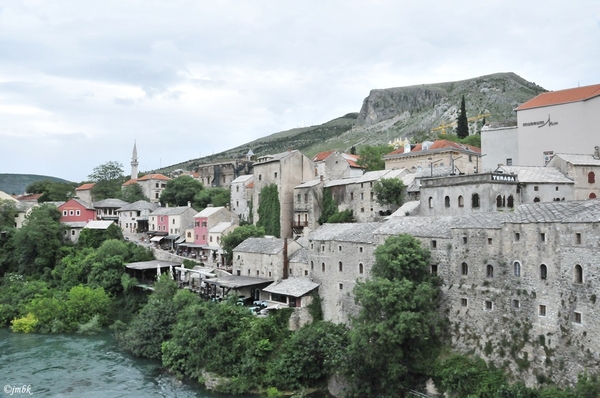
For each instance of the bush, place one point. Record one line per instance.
(26, 324)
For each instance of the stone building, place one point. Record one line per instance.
(152, 185)
(584, 169)
(308, 202)
(222, 174)
(286, 170)
(134, 217)
(334, 165)
(107, 209)
(266, 258)
(242, 189)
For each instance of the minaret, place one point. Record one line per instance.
(134, 163)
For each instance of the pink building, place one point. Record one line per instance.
(207, 219)
(76, 210)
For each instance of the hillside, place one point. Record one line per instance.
(387, 114)
(16, 183)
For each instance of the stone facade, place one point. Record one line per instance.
(242, 189)
(262, 257)
(222, 174)
(583, 169)
(308, 199)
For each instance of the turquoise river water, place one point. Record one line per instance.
(83, 366)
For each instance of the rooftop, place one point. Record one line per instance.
(295, 287)
(437, 146)
(562, 97)
(112, 203)
(533, 174)
(260, 245)
(346, 232)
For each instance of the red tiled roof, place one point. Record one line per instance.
(352, 160)
(85, 187)
(562, 97)
(29, 197)
(129, 182)
(321, 156)
(153, 177)
(439, 144)
(251, 185)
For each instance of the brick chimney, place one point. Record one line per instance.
(286, 261)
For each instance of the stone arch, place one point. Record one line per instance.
(578, 274)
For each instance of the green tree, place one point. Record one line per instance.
(8, 213)
(95, 237)
(107, 270)
(371, 157)
(462, 125)
(389, 191)
(237, 236)
(330, 212)
(269, 211)
(395, 337)
(132, 193)
(216, 196)
(52, 190)
(38, 243)
(108, 178)
(181, 190)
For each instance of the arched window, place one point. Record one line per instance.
(510, 202)
(323, 267)
(517, 268)
(464, 269)
(499, 201)
(461, 201)
(536, 199)
(361, 268)
(430, 202)
(475, 200)
(341, 267)
(591, 177)
(312, 266)
(592, 195)
(578, 274)
(447, 201)
(543, 272)
(489, 271)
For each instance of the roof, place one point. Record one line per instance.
(130, 182)
(85, 187)
(31, 197)
(97, 224)
(220, 227)
(407, 207)
(441, 227)
(153, 177)
(113, 203)
(209, 211)
(319, 157)
(309, 184)
(171, 211)
(546, 212)
(152, 264)
(295, 287)
(139, 205)
(346, 232)
(87, 205)
(235, 282)
(274, 158)
(260, 245)
(343, 181)
(299, 256)
(352, 160)
(536, 174)
(437, 146)
(579, 159)
(75, 224)
(562, 97)
(242, 179)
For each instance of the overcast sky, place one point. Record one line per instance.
(80, 81)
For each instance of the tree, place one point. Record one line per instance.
(8, 213)
(231, 240)
(330, 212)
(462, 126)
(389, 191)
(108, 178)
(38, 243)
(216, 196)
(52, 191)
(371, 157)
(269, 210)
(95, 237)
(395, 337)
(132, 193)
(180, 191)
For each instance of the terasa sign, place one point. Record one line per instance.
(541, 123)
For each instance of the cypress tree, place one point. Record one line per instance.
(462, 128)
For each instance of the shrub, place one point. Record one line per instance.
(26, 324)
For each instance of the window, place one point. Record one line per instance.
(489, 241)
(591, 177)
(516, 304)
(77, 212)
(499, 201)
(517, 268)
(239, 272)
(362, 209)
(248, 271)
(464, 269)
(173, 221)
(536, 199)
(543, 272)
(577, 317)
(351, 195)
(339, 248)
(430, 202)
(433, 244)
(489, 271)
(210, 238)
(305, 198)
(312, 266)
(362, 196)
(447, 201)
(577, 238)
(372, 196)
(475, 201)
(305, 272)
(510, 202)
(578, 274)
(360, 249)
(340, 266)
(434, 269)
(509, 162)
(237, 189)
(322, 248)
(275, 174)
(341, 286)
(542, 310)
(489, 305)
(71, 212)
(65, 213)
(260, 177)
(323, 267)
(465, 240)
(73, 232)
(461, 201)
(517, 236)
(361, 268)
(298, 198)
(542, 237)
(464, 302)
(592, 195)
(257, 273)
(536, 188)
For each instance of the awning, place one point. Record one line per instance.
(157, 239)
(180, 240)
(171, 237)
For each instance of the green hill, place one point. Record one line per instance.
(15, 184)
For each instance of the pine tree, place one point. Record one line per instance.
(462, 128)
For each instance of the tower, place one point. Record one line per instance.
(134, 163)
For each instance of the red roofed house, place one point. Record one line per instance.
(464, 159)
(84, 192)
(564, 121)
(76, 214)
(334, 165)
(152, 185)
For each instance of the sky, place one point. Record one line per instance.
(81, 81)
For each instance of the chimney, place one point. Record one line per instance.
(597, 152)
(189, 204)
(286, 261)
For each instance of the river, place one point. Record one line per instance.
(83, 366)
